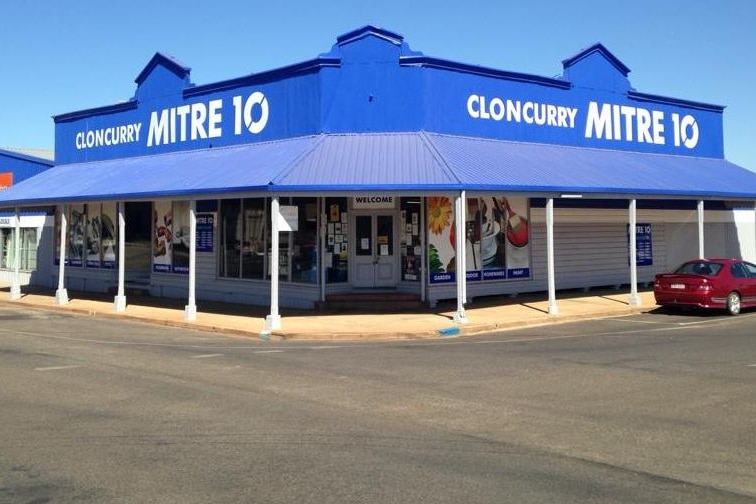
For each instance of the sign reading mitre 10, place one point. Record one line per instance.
(601, 121)
(189, 122)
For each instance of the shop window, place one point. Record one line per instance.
(410, 238)
(337, 242)
(253, 238)
(76, 232)
(27, 251)
(297, 249)
(496, 238)
(243, 238)
(92, 235)
(170, 247)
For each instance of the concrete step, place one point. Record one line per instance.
(371, 302)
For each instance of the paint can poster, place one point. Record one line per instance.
(496, 239)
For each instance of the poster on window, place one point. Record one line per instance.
(76, 233)
(108, 234)
(517, 234)
(56, 232)
(92, 249)
(162, 243)
(496, 239)
(181, 237)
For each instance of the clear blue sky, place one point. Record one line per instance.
(63, 56)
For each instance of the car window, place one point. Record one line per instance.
(750, 268)
(700, 268)
(737, 270)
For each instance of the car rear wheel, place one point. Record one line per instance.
(733, 303)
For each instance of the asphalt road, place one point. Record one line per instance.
(652, 408)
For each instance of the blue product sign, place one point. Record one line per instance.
(518, 273)
(205, 233)
(644, 255)
(442, 277)
(494, 274)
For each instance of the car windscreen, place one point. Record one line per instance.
(699, 268)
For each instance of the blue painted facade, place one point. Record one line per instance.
(371, 81)
(15, 167)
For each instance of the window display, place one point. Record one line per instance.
(76, 233)
(337, 241)
(496, 239)
(171, 240)
(410, 238)
(27, 251)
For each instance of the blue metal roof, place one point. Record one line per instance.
(415, 161)
(189, 173)
(386, 161)
(496, 165)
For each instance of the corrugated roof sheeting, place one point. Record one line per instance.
(415, 161)
(365, 161)
(529, 167)
(217, 170)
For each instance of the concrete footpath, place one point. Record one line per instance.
(484, 314)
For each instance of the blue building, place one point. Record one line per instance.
(376, 167)
(17, 165)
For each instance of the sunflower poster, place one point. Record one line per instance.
(496, 237)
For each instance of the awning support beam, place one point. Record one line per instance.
(119, 303)
(61, 295)
(634, 298)
(273, 320)
(190, 310)
(15, 292)
(460, 267)
(553, 307)
(701, 248)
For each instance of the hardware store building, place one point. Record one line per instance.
(376, 167)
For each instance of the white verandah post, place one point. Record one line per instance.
(119, 304)
(61, 295)
(190, 311)
(15, 292)
(634, 298)
(701, 248)
(273, 321)
(459, 229)
(553, 307)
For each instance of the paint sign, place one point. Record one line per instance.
(205, 232)
(644, 254)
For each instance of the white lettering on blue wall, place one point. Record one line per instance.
(603, 121)
(105, 137)
(540, 114)
(183, 123)
(196, 121)
(254, 123)
(636, 124)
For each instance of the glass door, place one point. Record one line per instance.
(375, 263)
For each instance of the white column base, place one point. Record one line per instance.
(190, 313)
(119, 304)
(553, 308)
(272, 322)
(61, 297)
(635, 300)
(15, 292)
(461, 317)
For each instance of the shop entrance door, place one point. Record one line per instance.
(375, 258)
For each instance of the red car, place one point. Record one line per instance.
(728, 284)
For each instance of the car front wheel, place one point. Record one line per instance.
(733, 303)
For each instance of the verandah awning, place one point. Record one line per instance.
(416, 161)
